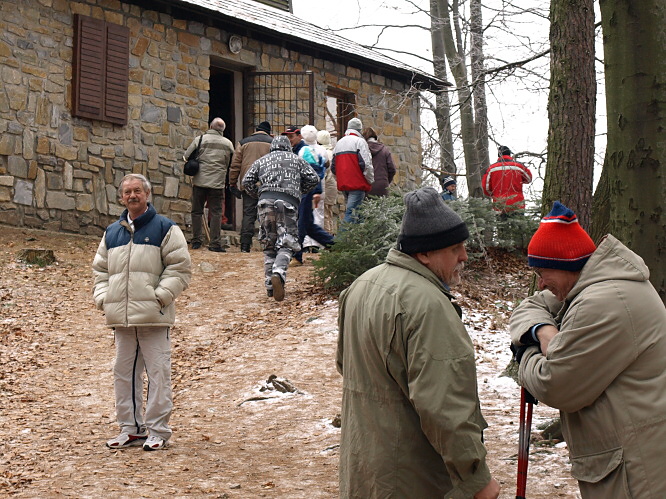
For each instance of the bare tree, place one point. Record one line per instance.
(447, 17)
(457, 34)
(442, 108)
(479, 83)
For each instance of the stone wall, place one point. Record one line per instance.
(62, 172)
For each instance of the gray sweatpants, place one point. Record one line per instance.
(138, 349)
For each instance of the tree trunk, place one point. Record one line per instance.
(443, 106)
(479, 84)
(635, 68)
(601, 207)
(571, 108)
(459, 71)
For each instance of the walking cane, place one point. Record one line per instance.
(527, 402)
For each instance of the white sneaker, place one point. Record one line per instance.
(127, 440)
(154, 443)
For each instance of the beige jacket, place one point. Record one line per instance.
(411, 420)
(214, 158)
(139, 273)
(606, 372)
(247, 152)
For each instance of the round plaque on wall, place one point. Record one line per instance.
(235, 44)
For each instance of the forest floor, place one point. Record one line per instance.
(234, 434)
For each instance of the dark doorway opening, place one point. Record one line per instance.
(222, 105)
(221, 99)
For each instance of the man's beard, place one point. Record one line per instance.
(456, 275)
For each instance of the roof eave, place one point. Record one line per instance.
(208, 17)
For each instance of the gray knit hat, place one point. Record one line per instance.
(429, 224)
(355, 124)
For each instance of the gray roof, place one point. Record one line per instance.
(258, 17)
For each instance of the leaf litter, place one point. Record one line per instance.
(56, 382)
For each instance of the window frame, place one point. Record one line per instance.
(345, 108)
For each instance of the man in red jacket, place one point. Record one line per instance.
(503, 181)
(352, 166)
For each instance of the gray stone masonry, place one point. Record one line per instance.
(61, 172)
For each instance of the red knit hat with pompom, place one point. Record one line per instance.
(560, 242)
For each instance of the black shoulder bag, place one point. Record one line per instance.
(192, 164)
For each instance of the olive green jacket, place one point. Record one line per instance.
(411, 419)
(606, 372)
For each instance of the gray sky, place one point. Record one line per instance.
(517, 106)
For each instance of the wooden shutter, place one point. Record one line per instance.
(117, 73)
(101, 70)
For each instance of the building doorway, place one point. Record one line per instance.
(225, 86)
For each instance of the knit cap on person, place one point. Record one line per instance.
(504, 151)
(264, 126)
(309, 134)
(324, 138)
(560, 242)
(449, 181)
(355, 124)
(429, 224)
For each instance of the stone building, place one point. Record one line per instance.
(94, 89)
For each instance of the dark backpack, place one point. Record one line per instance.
(192, 164)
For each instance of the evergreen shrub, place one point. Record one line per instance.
(359, 247)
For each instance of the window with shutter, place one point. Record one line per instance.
(101, 70)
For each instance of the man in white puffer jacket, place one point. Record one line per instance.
(142, 265)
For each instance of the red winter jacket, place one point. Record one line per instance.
(503, 181)
(352, 163)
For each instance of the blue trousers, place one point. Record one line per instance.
(307, 226)
(353, 200)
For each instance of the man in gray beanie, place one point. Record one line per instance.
(352, 166)
(411, 418)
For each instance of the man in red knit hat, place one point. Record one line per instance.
(592, 344)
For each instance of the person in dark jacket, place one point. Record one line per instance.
(382, 162)
(279, 179)
(449, 186)
(247, 152)
(318, 161)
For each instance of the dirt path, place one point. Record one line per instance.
(56, 389)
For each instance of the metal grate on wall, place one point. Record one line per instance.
(282, 98)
